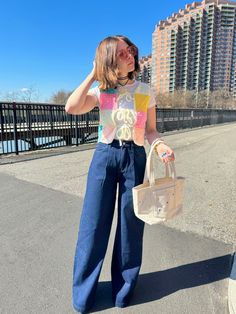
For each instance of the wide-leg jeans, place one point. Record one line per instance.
(113, 165)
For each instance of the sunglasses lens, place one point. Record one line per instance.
(124, 53)
(133, 50)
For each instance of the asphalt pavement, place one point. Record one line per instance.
(186, 262)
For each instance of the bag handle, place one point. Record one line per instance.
(169, 167)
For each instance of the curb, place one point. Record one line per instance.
(232, 288)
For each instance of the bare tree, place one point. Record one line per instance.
(11, 96)
(25, 94)
(180, 98)
(60, 97)
(29, 94)
(163, 100)
(177, 99)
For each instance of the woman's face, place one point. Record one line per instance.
(125, 58)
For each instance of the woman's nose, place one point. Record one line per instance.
(130, 56)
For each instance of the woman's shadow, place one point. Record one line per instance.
(163, 283)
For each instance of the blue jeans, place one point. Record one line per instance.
(112, 165)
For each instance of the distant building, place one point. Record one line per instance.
(146, 69)
(195, 49)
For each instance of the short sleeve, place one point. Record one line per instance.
(152, 101)
(95, 91)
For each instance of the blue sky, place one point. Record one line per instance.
(49, 45)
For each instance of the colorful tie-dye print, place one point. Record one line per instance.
(123, 113)
(108, 100)
(141, 102)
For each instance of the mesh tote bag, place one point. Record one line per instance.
(158, 199)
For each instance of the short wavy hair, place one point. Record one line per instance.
(106, 70)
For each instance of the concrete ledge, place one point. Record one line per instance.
(232, 288)
(43, 153)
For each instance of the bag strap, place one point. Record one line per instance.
(169, 167)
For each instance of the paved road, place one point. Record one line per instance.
(186, 262)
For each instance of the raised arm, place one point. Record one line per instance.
(80, 101)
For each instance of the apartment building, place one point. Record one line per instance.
(145, 69)
(195, 48)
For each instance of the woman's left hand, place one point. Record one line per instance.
(165, 153)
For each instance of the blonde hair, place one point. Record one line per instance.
(106, 70)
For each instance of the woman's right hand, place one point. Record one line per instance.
(93, 70)
(165, 153)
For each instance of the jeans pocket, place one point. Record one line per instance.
(98, 166)
(101, 146)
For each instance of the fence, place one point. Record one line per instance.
(27, 127)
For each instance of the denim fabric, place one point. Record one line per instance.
(112, 166)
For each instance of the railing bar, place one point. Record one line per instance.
(46, 122)
(20, 126)
(65, 125)
(60, 130)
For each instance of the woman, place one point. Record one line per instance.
(127, 116)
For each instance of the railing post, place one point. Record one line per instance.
(211, 114)
(71, 132)
(29, 125)
(157, 115)
(51, 117)
(191, 119)
(1, 117)
(28, 117)
(2, 128)
(76, 131)
(222, 116)
(201, 112)
(162, 121)
(178, 112)
(15, 128)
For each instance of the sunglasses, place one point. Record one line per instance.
(126, 52)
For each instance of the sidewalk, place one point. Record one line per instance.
(186, 262)
(181, 271)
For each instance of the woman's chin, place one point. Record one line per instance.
(131, 68)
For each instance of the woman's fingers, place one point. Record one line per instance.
(165, 153)
(167, 156)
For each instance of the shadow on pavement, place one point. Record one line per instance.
(156, 285)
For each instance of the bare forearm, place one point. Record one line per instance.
(77, 98)
(152, 135)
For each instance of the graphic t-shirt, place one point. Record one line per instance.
(124, 117)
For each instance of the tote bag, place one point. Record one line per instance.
(158, 199)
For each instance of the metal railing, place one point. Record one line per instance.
(27, 127)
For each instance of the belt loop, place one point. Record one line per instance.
(120, 142)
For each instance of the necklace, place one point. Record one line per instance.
(124, 83)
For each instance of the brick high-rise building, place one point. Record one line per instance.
(195, 49)
(146, 69)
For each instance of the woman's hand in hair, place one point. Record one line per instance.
(93, 70)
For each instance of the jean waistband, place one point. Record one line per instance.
(124, 143)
